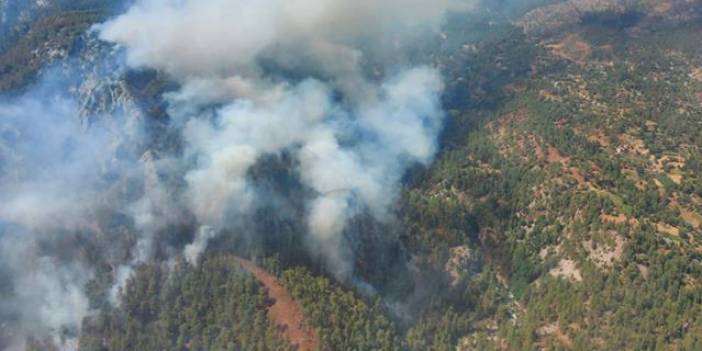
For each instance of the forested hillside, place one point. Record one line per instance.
(580, 189)
(216, 306)
(563, 210)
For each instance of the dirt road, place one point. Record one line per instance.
(285, 312)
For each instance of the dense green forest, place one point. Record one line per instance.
(579, 189)
(215, 306)
(560, 214)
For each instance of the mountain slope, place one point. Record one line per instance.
(583, 192)
(285, 312)
(564, 210)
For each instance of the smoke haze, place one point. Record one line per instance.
(57, 179)
(238, 56)
(324, 81)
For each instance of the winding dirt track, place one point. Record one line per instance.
(285, 311)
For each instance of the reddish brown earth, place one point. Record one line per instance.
(572, 48)
(285, 311)
(555, 156)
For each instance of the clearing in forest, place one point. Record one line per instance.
(285, 311)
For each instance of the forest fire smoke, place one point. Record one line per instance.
(324, 81)
(264, 78)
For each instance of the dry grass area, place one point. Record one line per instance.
(567, 269)
(545, 252)
(510, 120)
(674, 162)
(513, 142)
(553, 329)
(671, 166)
(666, 228)
(579, 177)
(285, 311)
(690, 282)
(618, 219)
(696, 74)
(692, 218)
(644, 270)
(572, 48)
(633, 144)
(633, 176)
(676, 178)
(460, 256)
(651, 126)
(538, 150)
(555, 156)
(661, 187)
(663, 6)
(600, 138)
(547, 96)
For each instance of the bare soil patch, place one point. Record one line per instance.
(643, 270)
(555, 156)
(600, 138)
(547, 96)
(661, 187)
(538, 151)
(618, 219)
(605, 256)
(554, 330)
(285, 311)
(640, 147)
(567, 269)
(572, 48)
(673, 162)
(460, 256)
(696, 74)
(511, 119)
(666, 228)
(578, 176)
(651, 126)
(676, 178)
(663, 6)
(692, 218)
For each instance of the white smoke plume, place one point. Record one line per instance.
(57, 177)
(325, 81)
(49, 299)
(223, 38)
(194, 250)
(151, 213)
(240, 56)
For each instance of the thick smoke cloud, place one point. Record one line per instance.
(48, 297)
(293, 76)
(221, 38)
(58, 176)
(325, 81)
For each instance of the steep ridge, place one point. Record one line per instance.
(284, 311)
